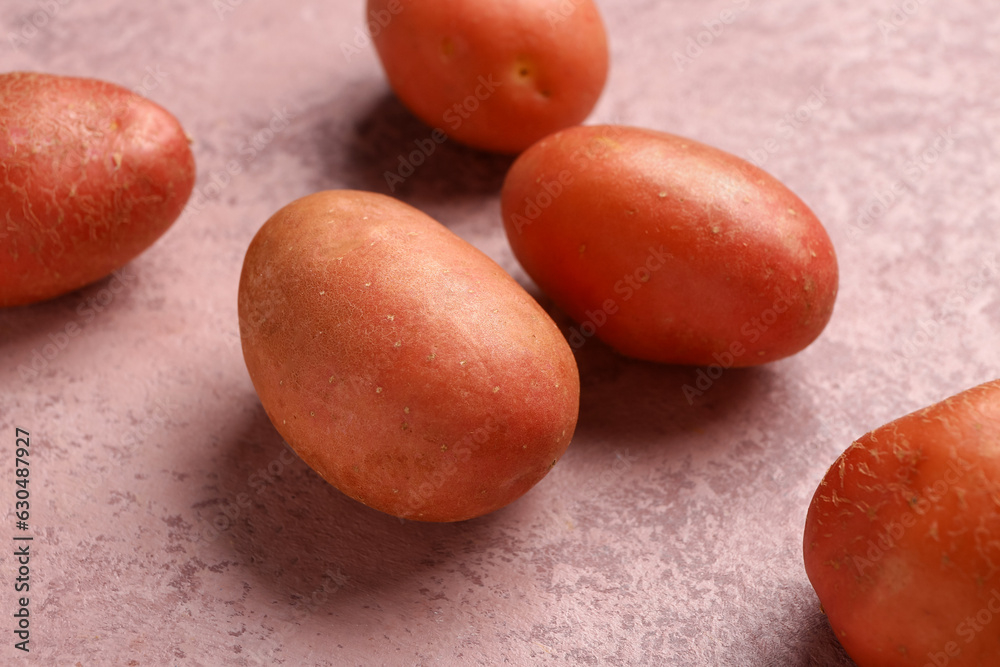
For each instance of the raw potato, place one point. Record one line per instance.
(667, 249)
(902, 540)
(402, 364)
(497, 76)
(91, 175)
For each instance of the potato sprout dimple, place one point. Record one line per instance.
(468, 63)
(525, 74)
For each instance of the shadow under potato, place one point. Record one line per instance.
(642, 402)
(813, 643)
(391, 152)
(55, 323)
(305, 541)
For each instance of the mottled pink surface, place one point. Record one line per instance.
(173, 526)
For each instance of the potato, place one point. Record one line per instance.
(902, 539)
(402, 364)
(667, 249)
(91, 175)
(497, 76)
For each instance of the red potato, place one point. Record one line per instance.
(91, 175)
(402, 364)
(667, 249)
(902, 539)
(497, 76)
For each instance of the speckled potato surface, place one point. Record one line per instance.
(493, 75)
(902, 539)
(91, 174)
(667, 249)
(402, 364)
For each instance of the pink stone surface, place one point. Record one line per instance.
(173, 526)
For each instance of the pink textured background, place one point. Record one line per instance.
(669, 534)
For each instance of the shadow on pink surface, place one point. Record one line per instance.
(36, 335)
(391, 152)
(289, 527)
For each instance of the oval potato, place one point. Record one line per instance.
(493, 75)
(902, 539)
(402, 364)
(91, 175)
(667, 249)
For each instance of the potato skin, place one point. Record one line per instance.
(402, 364)
(670, 250)
(902, 539)
(91, 175)
(497, 76)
